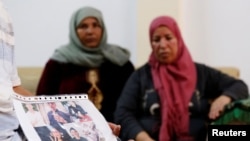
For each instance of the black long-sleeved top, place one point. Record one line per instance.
(138, 107)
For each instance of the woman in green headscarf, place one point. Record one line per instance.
(88, 64)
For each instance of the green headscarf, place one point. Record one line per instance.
(75, 52)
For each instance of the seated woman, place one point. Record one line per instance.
(88, 64)
(167, 99)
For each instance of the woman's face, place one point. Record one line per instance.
(165, 45)
(89, 31)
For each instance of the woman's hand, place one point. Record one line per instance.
(115, 128)
(143, 136)
(218, 105)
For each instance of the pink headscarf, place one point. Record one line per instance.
(175, 84)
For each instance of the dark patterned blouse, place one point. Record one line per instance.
(104, 84)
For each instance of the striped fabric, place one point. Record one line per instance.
(6, 36)
(8, 79)
(8, 70)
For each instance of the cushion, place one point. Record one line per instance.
(30, 77)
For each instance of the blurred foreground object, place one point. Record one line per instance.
(235, 113)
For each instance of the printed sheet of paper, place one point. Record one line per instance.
(66, 117)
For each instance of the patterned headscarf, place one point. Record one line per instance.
(175, 83)
(75, 52)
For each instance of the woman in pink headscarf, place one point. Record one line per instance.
(167, 99)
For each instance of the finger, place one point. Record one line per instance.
(112, 125)
(117, 130)
(213, 115)
(213, 112)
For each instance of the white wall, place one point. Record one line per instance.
(218, 32)
(41, 26)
